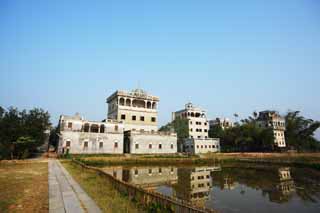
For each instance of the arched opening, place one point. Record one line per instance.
(197, 114)
(86, 127)
(121, 101)
(149, 105)
(94, 128)
(192, 114)
(128, 102)
(188, 114)
(154, 105)
(138, 103)
(102, 128)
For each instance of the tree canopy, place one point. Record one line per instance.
(22, 130)
(179, 125)
(248, 136)
(300, 132)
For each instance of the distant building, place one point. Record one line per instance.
(80, 136)
(272, 119)
(198, 141)
(224, 123)
(137, 109)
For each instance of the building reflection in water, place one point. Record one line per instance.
(284, 188)
(146, 177)
(194, 185)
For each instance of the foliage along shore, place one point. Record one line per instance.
(310, 160)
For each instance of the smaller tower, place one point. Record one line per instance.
(272, 119)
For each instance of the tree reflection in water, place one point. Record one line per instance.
(201, 185)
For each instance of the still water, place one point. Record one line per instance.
(232, 188)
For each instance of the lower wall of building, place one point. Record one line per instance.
(97, 143)
(201, 146)
(140, 143)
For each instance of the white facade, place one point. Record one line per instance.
(79, 136)
(198, 141)
(272, 119)
(197, 120)
(201, 146)
(137, 109)
(150, 143)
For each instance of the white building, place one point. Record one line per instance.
(137, 109)
(80, 136)
(150, 142)
(198, 141)
(272, 119)
(224, 123)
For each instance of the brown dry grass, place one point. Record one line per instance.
(24, 186)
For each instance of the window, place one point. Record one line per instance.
(153, 119)
(205, 130)
(209, 146)
(101, 145)
(150, 171)
(68, 143)
(205, 146)
(116, 128)
(171, 146)
(141, 118)
(190, 122)
(199, 136)
(160, 170)
(150, 146)
(134, 117)
(191, 130)
(115, 144)
(205, 123)
(123, 117)
(160, 146)
(137, 146)
(69, 125)
(136, 171)
(85, 145)
(201, 146)
(197, 146)
(101, 128)
(86, 127)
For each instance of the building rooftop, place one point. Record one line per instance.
(136, 93)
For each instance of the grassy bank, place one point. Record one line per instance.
(310, 160)
(100, 190)
(24, 186)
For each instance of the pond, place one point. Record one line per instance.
(231, 188)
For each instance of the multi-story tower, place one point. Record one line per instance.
(197, 120)
(198, 141)
(137, 109)
(272, 119)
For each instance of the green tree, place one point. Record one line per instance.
(300, 132)
(30, 125)
(179, 125)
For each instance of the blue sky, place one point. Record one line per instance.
(225, 56)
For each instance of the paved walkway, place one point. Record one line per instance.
(66, 195)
